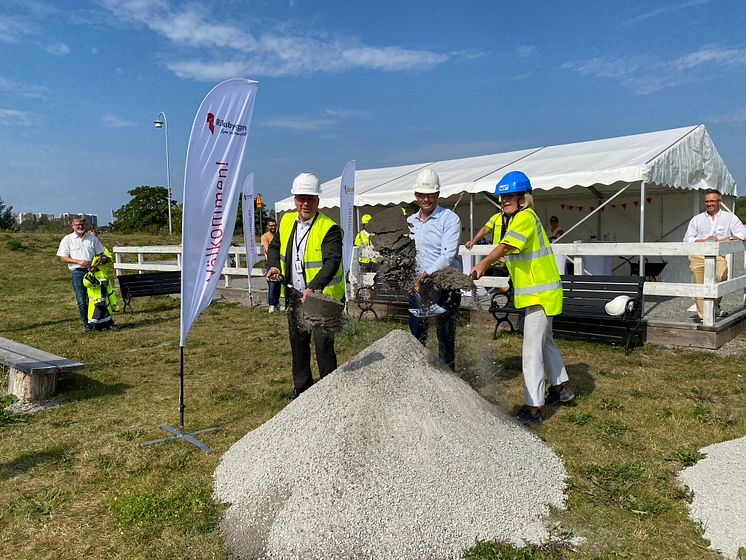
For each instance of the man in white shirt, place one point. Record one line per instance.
(712, 225)
(77, 250)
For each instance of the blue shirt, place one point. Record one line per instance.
(435, 238)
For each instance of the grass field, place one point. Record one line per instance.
(75, 481)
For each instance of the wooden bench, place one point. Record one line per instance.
(148, 284)
(583, 315)
(33, 372)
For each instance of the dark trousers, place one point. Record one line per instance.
(81, 294)
(445, 325)
(300, 347)
(273, 293)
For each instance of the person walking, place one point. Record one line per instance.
(362, 239)
(537, 288)
(436, 231)
(308, 254)
(78, 250)
(273, 286)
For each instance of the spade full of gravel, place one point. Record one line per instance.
(390, 457)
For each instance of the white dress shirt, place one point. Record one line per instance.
(302, 230)
(723, 224)
(80, 248)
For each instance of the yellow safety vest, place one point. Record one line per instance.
(533, 270)
(495, 221)
(312, 257)
(362, 239)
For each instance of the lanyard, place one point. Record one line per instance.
(299, 242)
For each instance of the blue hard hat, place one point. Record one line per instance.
(513, 182)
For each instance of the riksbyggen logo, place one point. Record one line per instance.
(226, 127)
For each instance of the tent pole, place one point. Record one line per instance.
(471, 216)
(642, 225)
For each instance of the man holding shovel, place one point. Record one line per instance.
(436, 231)
(308, 254)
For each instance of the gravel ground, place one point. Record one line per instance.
(390, 457)
(719, 485)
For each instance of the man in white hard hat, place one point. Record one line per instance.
(308, 254)
(712, 225)
(436, 232)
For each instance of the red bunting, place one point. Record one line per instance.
(636, 203)
(562, 205)
(649, 199)
(624, 205)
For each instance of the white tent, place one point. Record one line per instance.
(617, 181)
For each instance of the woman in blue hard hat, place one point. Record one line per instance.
(537, 287)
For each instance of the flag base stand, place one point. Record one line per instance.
(180, 434)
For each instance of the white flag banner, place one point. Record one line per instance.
(247, 212)
(214, 157)
(346, 213)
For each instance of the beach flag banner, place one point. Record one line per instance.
(249, 233)
(346, 213)
(214, 157)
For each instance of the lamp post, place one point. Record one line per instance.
(160, 122)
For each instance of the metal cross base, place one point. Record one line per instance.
(178, 434)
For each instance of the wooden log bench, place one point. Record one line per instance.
(33, 372)
(583, 314)
(148, 284)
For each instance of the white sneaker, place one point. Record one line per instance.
(272, 308)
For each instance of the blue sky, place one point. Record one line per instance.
(382, 82)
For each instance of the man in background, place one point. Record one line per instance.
(77, 250)
(273, 287)
(712, 225)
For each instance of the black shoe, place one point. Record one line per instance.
(555, 396)
(525, 416)
(87, 328)
(294, 394)
(113, 328)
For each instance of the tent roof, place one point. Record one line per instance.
(682, 158)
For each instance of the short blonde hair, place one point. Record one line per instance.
(526, 201)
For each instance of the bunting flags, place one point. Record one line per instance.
(621, 205)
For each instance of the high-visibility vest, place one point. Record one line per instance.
(312, 257)
(362, 239)
(533, 270)
(495, 221)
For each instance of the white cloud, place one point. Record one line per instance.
(276, 52)
(526, 51)
(10, 29)
(299, 123)
(736, 117)
(648, 74)
(346, 113)
(15, 117)
(114, 121)
(22, 89)
(59, 49)
(661, 10)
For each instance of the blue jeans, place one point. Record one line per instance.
(81, 294)
(445, 325)
(273, 293)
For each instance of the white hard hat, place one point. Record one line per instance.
(617, 306)
(427, 182)
(306, 183)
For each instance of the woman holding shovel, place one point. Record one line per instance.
(537, 288)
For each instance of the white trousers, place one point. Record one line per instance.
(540, 355)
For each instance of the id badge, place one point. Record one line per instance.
(298, 267)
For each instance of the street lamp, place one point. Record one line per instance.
(160, 122)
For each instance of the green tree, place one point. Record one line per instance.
(741, 208)
(147, 212)
(260, 219)
(6, 217)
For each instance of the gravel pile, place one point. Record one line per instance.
(719, 485)
(390, 457)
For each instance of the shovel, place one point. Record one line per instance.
(319, 310)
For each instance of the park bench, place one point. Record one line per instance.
(583, 314)
(366, 297)
(33, 372)
(148, 284)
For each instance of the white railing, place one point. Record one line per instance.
(709, 290)
(576, 252)
(233, 268)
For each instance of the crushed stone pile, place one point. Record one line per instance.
(719, 485)
(390, 457)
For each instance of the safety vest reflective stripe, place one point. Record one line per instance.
(314, 264)
(336, 280)
(518, 236)
(530, 255)
(538, 288)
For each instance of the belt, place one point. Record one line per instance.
(83, 269)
